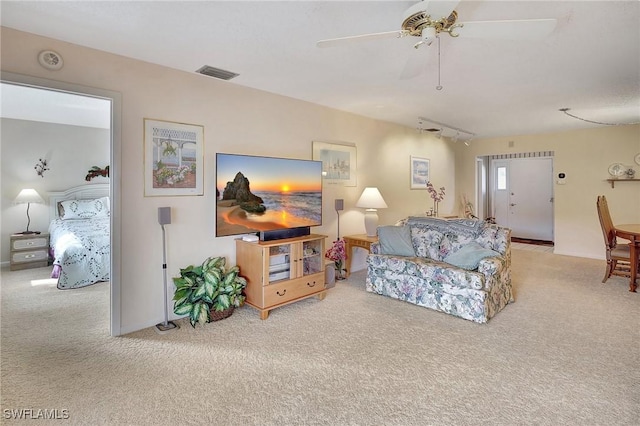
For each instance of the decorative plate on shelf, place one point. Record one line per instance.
(637, 159)
(617, 170)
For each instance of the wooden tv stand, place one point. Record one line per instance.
(280, 272)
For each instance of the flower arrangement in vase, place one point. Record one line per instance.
(436, 196)
(338, 254)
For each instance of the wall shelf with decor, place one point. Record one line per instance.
(613, 181)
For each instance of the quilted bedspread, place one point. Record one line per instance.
(81, 249)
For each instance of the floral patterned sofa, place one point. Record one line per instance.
(461, 267)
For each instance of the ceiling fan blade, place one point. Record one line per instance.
(527, 29)
(364, 37)
(415, 65)
(435, 9)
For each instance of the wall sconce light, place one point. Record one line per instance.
(28, 196)
(371, 200)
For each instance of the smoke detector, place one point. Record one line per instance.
(50, 60)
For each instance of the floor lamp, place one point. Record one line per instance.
(164, 218)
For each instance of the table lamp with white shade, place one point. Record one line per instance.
(28, 196)
(371, 200)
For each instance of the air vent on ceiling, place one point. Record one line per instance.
(217, 72)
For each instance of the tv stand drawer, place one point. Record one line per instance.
(287, 291)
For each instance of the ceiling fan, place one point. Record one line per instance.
(428, 19)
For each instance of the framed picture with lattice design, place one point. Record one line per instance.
(173, 158)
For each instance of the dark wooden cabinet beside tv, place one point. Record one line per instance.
(283, 271)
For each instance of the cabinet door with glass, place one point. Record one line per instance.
(278, 263)
(311, 258)
(294, 260)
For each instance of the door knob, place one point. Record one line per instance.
(512, 204)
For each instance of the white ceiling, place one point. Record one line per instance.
(49, 106)
(589, 63)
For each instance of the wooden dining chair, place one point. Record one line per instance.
(618, 255)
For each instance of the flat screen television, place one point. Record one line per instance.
(262, 194)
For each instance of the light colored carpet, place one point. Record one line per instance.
(565, 353)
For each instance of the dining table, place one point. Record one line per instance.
(631, 232)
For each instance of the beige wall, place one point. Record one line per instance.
(584, 156)
(236, 120)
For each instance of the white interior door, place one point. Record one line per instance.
(523, 196)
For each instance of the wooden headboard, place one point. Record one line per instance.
(82, 192)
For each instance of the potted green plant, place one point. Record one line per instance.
(208, 292)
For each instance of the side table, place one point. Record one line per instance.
(29, 251)
(359, 240)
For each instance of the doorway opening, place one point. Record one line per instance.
(113, 99)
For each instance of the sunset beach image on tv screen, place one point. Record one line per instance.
(266, 193)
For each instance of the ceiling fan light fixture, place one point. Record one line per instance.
(427, 36)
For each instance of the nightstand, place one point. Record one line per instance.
(29, 251)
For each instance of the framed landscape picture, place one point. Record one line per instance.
(419, 172)
(338, 162)
(173, 158)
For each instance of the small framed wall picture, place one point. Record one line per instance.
(338, 162)
(173, 158)
(419, 172)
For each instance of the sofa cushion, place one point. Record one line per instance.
(426, 242)
(451, 243)
(469, 256)
(395, 240)
(467, 227)
(487, 237)
(439, 275)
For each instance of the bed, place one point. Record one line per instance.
(79, 235)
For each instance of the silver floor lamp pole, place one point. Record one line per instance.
(164, 217)
(339, 204)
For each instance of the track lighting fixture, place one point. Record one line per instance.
(441, 129)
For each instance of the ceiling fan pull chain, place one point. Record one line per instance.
(439, 86)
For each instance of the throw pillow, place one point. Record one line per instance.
(395, 240)
(469, 256)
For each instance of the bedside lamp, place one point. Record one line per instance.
(28, 196)
(371, 200)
